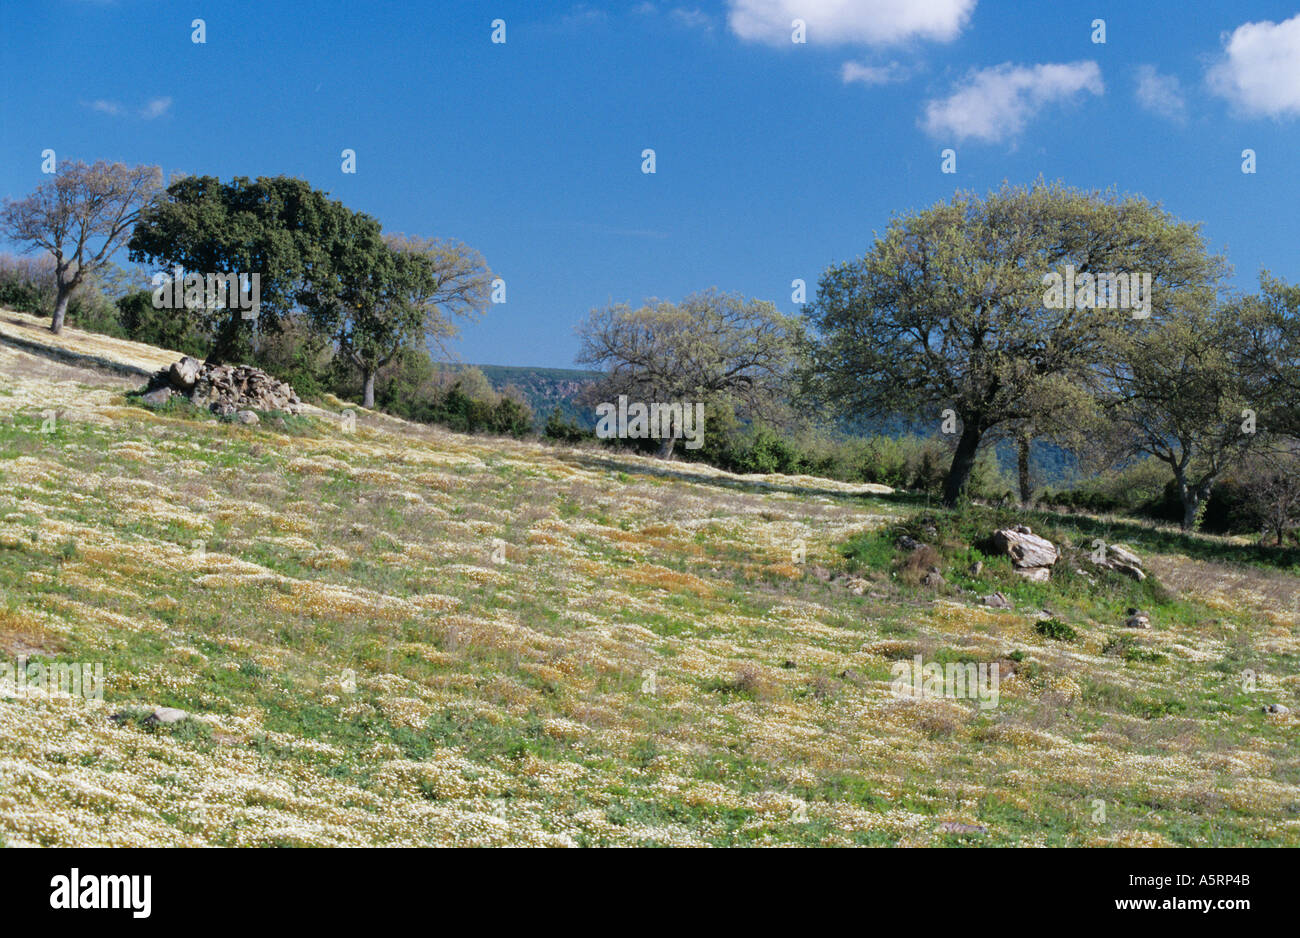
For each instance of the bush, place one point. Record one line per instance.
(564, 431)
(177, 329)
(1056, 629)
(27, 284)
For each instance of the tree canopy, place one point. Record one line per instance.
(276, 227)
(947, 310)
(715, 348)
(81, 217)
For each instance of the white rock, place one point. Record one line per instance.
(185, 372)
(1031, 555)
(167, 715)
(1121, 554)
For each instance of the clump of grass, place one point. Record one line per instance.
(748, 682)
(178, 405)
(1056, 629)
(822, 687)
(917, 564)
(1126, 647)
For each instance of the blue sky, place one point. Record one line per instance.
(774, 159)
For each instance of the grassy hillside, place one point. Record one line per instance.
(399, 635)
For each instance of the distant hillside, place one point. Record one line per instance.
(546, 388)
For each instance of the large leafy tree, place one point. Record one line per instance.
(81, 217)
(947, 309)
(380, 294)
(277, 227)
(719, 349)
(1275, 351)
(1183, 390)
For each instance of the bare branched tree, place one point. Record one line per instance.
(714, 348)
(81, 217)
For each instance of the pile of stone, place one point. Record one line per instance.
(1031, 556)
(231, 391)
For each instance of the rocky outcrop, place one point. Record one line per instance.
(1031, 556)
(1121, 559)
(231, 391)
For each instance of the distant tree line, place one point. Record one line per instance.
(1032, 316)
(948, 320)
(344, 307)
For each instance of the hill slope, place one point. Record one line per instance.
(400, 635)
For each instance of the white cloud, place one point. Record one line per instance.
(868, 22)
(1161, 94)
(106, 107)
(995, 103)
(692, 19)
(583, 14)
(1259, 70)
(858, 72)
(157, 107)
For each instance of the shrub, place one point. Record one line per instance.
(564, 431)
(1056, 629)
(177, 329)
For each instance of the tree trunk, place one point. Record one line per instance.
(1022, 466)
(963, 461)
(230, 344)
(666, 447)
(368, 394)
(1192, 497)
(60, 308)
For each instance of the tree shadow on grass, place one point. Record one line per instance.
(736, 483)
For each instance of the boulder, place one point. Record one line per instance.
(1025, 548)
(1277, 708)
(166, 715)
(1031, 556)
(248, 418)
(1137, 620)
(157, 397)
(997, 601)
(185, 372)
(1122, 554)
(855, 585)
(1121, 559)
(908, 543)
(933, 579)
